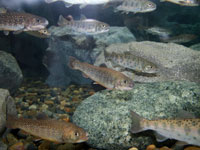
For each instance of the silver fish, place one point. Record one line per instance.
(84, 26)
(183, 2)
(136, 6)
(161, 32)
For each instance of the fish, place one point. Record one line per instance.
(106, 77)
(82, 3)
(183, 2)
(128, 60)
(159, 31)
(185, 130)
(20, 21)
(182, 38)
(136, 6)
(49, 129)
(43, 33)
(83, 26)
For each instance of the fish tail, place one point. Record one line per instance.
(62, 21)
(11, 121)
(72, 62)
(136, 122)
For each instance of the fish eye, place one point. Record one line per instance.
(125, 81)
(38, 20)
(76, 134)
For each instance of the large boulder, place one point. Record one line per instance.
(175, 62)
(7, 106)
(10, 73)
(85, 48)
(106, 115)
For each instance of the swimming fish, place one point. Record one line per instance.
(161, 32)
(84, 26)
(106, 77)
(49, 129)
(182, 38)
(183, 2)
(82, 3)
(136, 6)
(20, 21)
(130, 61)
(185, 130)
(43, 33)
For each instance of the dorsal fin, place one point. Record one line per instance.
(182, 114)
(62, 21)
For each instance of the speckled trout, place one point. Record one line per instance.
(184, 2)
(130, 61)
(185, 130)
(136, 6)
(106, 77)
(20, 21)
(83, 26)
(49, 129)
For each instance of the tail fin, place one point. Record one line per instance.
(72, 62)
(62, 21)
(11, 121)
(136, 122)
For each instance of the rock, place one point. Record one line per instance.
(175, 62)
(3, 146)
(10, 73)
(85, 48)
(106, 114)
(195, 47)
(7, 105)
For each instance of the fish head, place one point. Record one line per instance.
(102, 27)
(36, 23)
(150, 68)
(149, 6)
(74, 135)
(44, 32)
(124, 83)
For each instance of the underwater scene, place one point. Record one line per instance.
(99, 74)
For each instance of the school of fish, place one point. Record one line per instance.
(186, 130)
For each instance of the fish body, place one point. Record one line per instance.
(161, 32)
(106, 77)
(136, 6)
(184, 2)
(49, 129)
(69, 3)
(43, 33)
(84, 26)
(130, 61)
(182, 38)
(185, 130)
(18, 22)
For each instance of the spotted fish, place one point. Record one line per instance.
(106, 77)
(136, 6)
(127, 60)
(20, 21)
(185, 130)
(49, 129)
(83, 26)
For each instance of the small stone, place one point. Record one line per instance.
(44, 107)
(11, 139)
(76, 92)
(32, 146)
(17, 146)
(49, 102)
(33, 106)
(3, 146)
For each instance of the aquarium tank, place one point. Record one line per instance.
(99, 75)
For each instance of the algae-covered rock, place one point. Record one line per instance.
(10, 73)
(106, 115)
(174, 62)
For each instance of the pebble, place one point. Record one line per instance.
(33, 106)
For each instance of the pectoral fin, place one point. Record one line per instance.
(159, 137)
